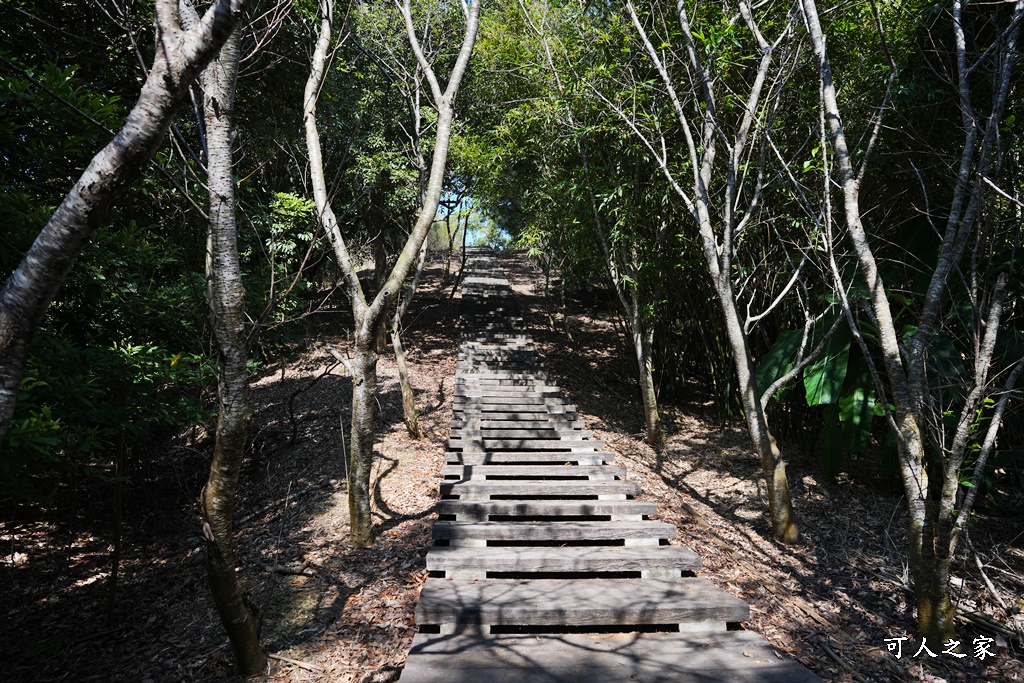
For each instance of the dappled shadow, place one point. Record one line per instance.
(603, 658)
(319, 596)
(845, 585)
(594, 365)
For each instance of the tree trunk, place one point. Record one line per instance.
(412, 417)
(702, 136)
(451, 247)
(360, 454)
(369, 315)
(643, 343)
(641, 332)
(931, 471)
(180, 56)
(773, 466)
(227, 315)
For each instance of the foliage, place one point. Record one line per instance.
(116, 362)
(125, 352)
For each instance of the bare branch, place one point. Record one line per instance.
(802, 362)
(414, 41)
(325, 212)
(985, 452)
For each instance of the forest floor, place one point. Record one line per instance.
(335, 613)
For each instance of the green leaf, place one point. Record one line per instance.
(831, 442)
(779, 359)
(856, 404)
(823, 379)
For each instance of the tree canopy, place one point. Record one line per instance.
(810, 219)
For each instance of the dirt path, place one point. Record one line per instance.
(830, 602)
(342, 614)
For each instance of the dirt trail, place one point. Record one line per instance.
(334, 613)
(830, 602)
(340, 614)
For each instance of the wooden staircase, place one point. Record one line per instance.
(545, 567)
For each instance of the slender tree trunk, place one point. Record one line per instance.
(360, 454)
(643, 343)
(451, 246)
(462, 261)
(931, 471)
(773, 466)
(932, 602)
(412, 417)
(702, 136)
(641, 332)
(369, 315)
(227, 315)
(180, 56)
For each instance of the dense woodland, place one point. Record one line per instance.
(804, 218)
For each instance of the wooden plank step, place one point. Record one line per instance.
(524, 350)
(508, 400)
(509, 412)
(482, 510)
(601, 658)
(503, 351)
(544, 458)
(490, 337)
(513, 423)
(470, 371)
(578, 559)
(531, 386)
(475, 360)
(483, 375)
(470, 280)
(552, 433)
(553, 531)
(503, 376)
(568, 487)
(490, 380)
(496, 337)
(497, 353)
(578, 602)
(555, 469)
(499, 416)
(506, 381)
(470, 382)
(512, 408)
(528, 444)
(521, 366)
(463, 391)
(532, 457)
